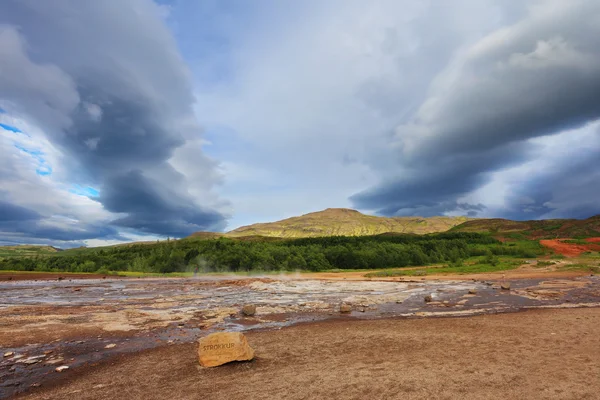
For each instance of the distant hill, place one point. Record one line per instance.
(26, 250)
(345, 222)
(539, 229)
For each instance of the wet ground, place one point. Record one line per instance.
(45, 325)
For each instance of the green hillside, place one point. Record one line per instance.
(346, 222)
(26, 250)
(539, 229)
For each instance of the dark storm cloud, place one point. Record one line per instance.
(152, 208)
(535, 78)
(106, 83)
(432, 189)
(569, 187)
(22, 225)
(11, 212)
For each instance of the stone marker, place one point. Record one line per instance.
(505, 286)
(223, 347)
(249, 310)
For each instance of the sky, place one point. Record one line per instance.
(130, 120)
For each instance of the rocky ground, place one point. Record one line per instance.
(537, 354)
(80, 327)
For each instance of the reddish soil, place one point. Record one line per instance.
(570, 249)
(541, 354)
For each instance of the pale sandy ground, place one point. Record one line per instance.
(541, 354)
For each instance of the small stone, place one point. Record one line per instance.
(345, 308)
(472, 291)
(55, 361)
(9, 354)
(110, 346)
(223, 347)
(61, 368)
(489, 283)
(428, 298)
(505, 286)
(249, 310)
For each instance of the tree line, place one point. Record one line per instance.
(311, 254)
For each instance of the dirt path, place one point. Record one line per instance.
(541, 354)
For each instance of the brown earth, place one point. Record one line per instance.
(541, 354)
(30, 276)
(570, 249)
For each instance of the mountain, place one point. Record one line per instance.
(344, 222)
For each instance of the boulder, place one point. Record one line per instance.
(223, 347)
(505, 286)
(345, 308)
(428, 298)
(472, 291)
(249, 310)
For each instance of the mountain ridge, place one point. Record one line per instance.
(340, 222)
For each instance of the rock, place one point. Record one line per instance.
(249, 310)
(428, 298)
(505, 286)
(223, 347)
(110, 346)
(345, 308)
(9, 354)
(489, 283)
(54, 361)
(61, 368)
(472, 291)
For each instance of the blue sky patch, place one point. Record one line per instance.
(9, 127)
(87, 191)
(43, 169)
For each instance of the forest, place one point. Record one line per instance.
(308, 254)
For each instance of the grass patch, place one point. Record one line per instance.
(542, 263)
(463, 269)
(575, 241)
(580, 267)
